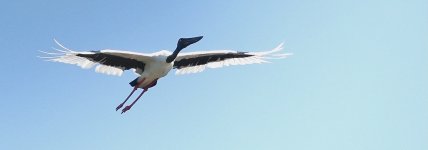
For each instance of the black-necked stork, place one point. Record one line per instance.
(151, 67)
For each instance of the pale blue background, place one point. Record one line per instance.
(358, 79)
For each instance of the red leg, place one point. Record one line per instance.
(144, 90)
(129, 106)
(132, 92)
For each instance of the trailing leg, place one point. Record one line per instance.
(132, 92)
(144, 90)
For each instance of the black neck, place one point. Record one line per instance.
(172, 57)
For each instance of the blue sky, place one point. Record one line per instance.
(358, 79)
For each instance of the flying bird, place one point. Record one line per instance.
(153, 66)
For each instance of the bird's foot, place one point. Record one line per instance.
(126, 109)
(120, 106)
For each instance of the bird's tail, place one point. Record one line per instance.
(134, 82)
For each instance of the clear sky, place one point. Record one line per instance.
(358, 79)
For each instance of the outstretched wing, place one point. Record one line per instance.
(111, 62)
(195, 62)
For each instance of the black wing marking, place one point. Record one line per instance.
(113, 60)
(205, 59)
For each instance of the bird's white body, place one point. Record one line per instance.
(156, 68)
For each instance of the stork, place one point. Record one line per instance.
(153, 66)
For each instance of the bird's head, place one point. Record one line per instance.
(181, 44)
(184, 42)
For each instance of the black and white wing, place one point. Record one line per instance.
(195, 62)
(111, 62)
